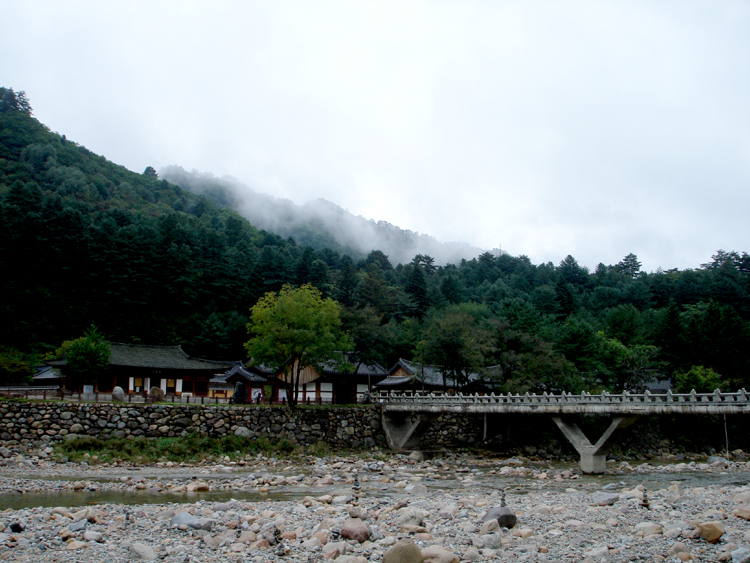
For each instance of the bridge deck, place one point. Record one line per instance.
(604, 403)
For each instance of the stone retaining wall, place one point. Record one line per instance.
(30, 423)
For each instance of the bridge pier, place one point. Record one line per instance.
(593, 456)
(404, 430)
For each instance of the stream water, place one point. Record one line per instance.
(481, 482)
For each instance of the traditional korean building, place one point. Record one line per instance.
(413, 376)
(337, 382)
(137, 368)
(261, 384)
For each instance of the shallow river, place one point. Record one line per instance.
(481, 482)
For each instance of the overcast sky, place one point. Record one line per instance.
(594, 129)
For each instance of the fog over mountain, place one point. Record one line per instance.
(319, 223)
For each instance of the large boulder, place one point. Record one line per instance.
(118, 394)
(504, 516)
(711, 531)
(436, 554)
(355, 529)
(403, 551)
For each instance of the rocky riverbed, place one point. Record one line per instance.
(376, 507)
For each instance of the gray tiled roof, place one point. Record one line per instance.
(164, 357)
(250, 375)
(373, 369)
(47, 372)
(427, 374)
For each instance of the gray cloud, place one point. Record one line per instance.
(587, 128)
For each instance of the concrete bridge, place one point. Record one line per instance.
(407, 415)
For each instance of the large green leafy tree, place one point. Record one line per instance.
(295, 329)
(85, 357)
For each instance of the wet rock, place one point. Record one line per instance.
(198, 487)
(17, 527)
(403, 551)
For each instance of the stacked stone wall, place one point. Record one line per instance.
(32, 423)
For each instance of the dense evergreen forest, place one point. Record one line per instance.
(84, 241)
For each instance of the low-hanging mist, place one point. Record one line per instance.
(318, 223)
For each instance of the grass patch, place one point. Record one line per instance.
(189, 449)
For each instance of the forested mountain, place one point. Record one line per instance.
(320, 223)
(84, 241)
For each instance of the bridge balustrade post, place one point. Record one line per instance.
(742, 395)
(717, 396)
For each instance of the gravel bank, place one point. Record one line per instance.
(357, 509)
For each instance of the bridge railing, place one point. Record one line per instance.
(741, 397)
